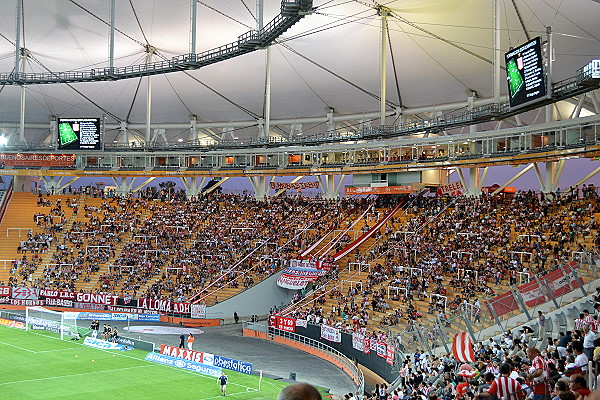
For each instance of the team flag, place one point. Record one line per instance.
(462, 347)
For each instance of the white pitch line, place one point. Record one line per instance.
(150, 362)
(72, 375)
(17, 347)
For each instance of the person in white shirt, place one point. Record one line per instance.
(588, 342)
(581, 360)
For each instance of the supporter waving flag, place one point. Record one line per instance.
(462, 347)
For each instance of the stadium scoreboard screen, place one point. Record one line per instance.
(79, 134)
(525, 73)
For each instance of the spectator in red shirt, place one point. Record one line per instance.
(579, 387)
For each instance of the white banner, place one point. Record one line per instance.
(292, 282)
(301, 322)
(198, 310)
(358, 341)
(330, 333)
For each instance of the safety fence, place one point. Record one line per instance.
(518, 306)
(305, 342)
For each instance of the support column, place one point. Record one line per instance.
(23, 52)
(383, 12)
(476, 181)
(497, 51)
(193, 12)
(538, 173)
(124, 133)
(123, 187)
(192, 189)
(149, 52)
(554, 171)
(329, 188)
(51, 184)
(260, 185)
(111, 41)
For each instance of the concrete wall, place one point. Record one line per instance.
(256, 300)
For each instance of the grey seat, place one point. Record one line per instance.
(561, 321)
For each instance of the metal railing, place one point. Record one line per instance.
(352, 369)
(517, 307)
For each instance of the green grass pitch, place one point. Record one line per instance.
(66, 134)
(515, 79)
(38, 366)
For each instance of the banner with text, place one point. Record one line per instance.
(348, 191)
(37, 160)
(294, 185)
(330, 333)
(298, 278)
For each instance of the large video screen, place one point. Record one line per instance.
(79, 134)
(525, 73)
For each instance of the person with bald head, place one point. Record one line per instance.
(299, 391)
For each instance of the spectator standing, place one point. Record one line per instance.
(190, 342)
(542, 325)
(182, 341)
(236, 317)
(588, 342)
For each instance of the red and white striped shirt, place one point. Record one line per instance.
(539, 385)
(507, 388)
(579, 323)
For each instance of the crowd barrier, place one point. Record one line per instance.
(312, 345)
(518, 306)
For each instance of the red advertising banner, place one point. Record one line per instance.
(390, 355)
(285, 324)
(104, 299)
(5, 291)
(153, 304)
(451, 188)
(503, 304)
(378, 190)
(58, 294)
(367, 345)
(24, 293)
(563, 282)
(190, 355)
(37, 160)
(532, 293)
(381, 349)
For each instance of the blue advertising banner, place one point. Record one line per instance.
(102, 344)
(234, 365)
(184, 364)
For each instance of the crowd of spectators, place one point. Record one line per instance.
(446, 254)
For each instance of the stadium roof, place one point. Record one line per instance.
(330, 60)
